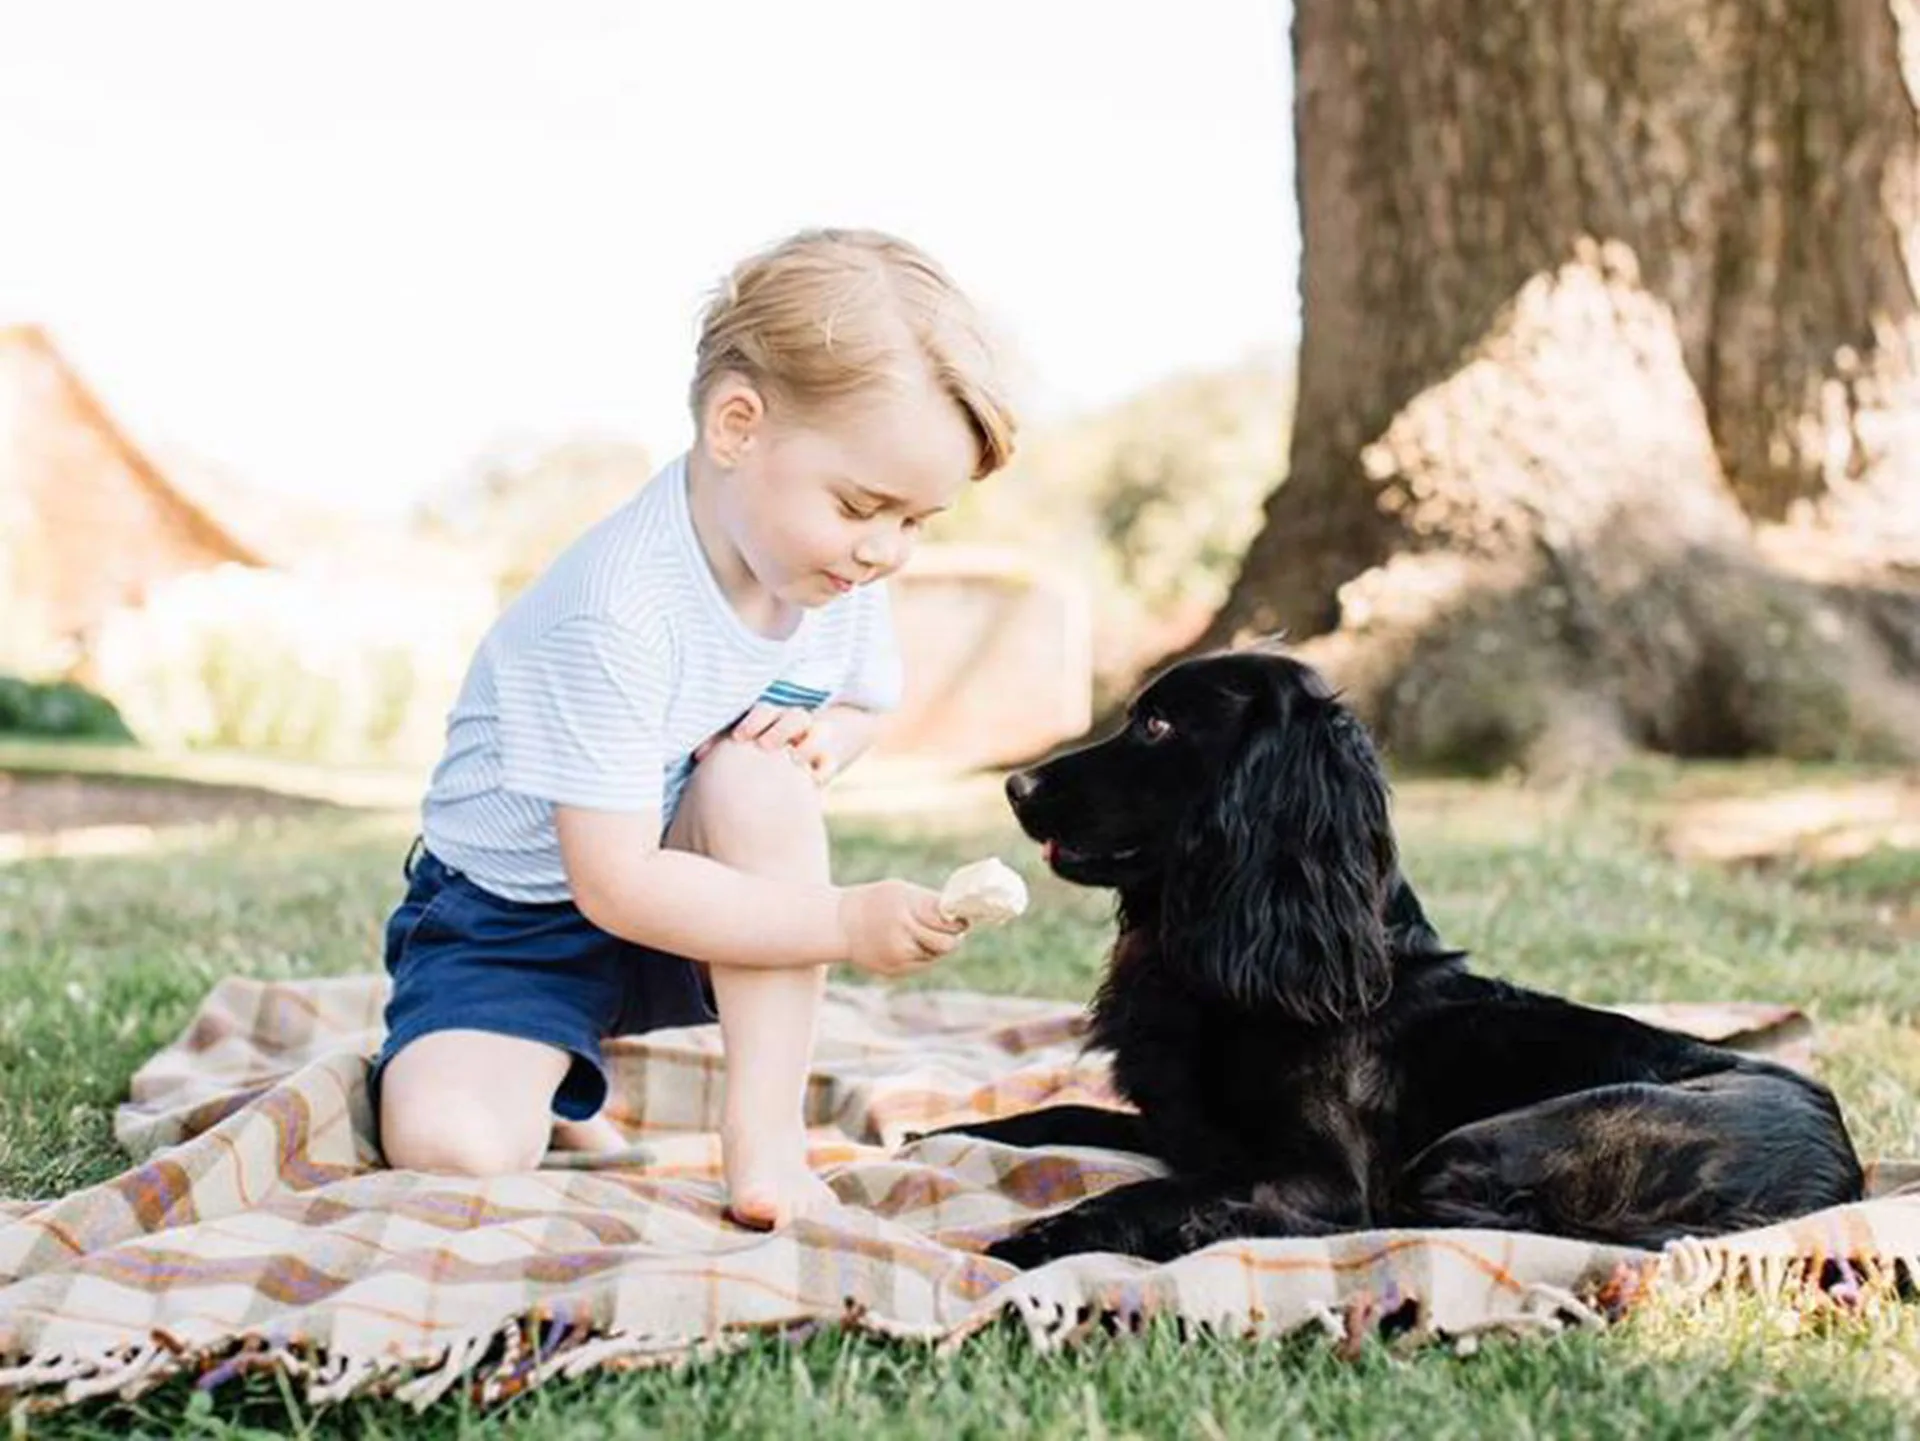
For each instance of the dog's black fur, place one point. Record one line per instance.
(1308, 1058)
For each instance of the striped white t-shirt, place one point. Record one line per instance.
(593, 688)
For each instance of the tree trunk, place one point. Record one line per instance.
(1594, 293)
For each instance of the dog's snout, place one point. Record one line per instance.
(1021, 785)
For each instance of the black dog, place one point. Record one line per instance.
(1307, 1058)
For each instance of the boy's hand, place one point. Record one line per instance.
(894, 928)
(772, 727)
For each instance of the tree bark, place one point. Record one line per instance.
(1595, 294)
(1757, 157)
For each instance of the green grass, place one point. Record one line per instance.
(103, 961)
(397, 787)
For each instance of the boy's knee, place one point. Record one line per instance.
(756, 810)
(455, 1141)
(742, 774)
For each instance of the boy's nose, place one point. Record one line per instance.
(877, 555)
(886, 549)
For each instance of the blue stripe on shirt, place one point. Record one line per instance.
(786, 693)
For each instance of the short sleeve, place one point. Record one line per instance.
(583, 717)
(874, 677)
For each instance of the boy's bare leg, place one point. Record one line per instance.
(595, 1134)
(757, 811)
(473, 1103)
(469, 1103)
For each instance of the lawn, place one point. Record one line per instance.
(103, 959)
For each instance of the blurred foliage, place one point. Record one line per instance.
(518, 506)
(357, 654)
(57, 708)
(1150, 502)
(311, 666)
(1153, 501)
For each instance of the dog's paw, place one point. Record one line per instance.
(963, 1129)
(1066, 1234)
(1026, 1249)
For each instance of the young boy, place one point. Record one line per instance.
(625, 830)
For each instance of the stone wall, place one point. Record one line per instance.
(998, 657)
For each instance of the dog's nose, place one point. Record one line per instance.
(1021, 785)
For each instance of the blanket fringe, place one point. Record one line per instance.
(1690, 1270)
(508, 1358)
(423, 1391)
(497, 1363)
(82, 1376)
(1056, 1313)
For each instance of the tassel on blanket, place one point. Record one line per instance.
(423, 1391)
(123, 1378)
(1690, 1270)
(1059, 1306)
(345, 1376)
(127, 1370)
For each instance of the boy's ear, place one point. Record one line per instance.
(734, 412)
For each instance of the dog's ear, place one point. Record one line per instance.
(1277, 888)
(1409, 932)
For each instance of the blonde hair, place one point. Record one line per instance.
(827, 315)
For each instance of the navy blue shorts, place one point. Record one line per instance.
(462, 958)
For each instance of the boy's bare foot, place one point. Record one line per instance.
(770, 1184)
(595, 1134)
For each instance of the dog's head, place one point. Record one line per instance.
(1244, 809)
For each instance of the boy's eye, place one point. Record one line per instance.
(854, 512)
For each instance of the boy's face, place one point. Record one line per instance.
(820, 506)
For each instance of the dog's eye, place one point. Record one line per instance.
(1155, 727)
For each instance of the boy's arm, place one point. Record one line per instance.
(627, 884)
(691, 905)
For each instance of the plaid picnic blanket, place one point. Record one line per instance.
(259, 1228)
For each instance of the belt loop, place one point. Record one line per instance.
(413, 856)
